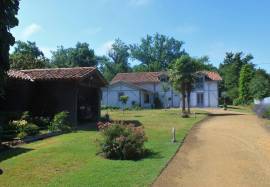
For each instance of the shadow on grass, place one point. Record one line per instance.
(226, 114)
(150, 154)
(12, 152)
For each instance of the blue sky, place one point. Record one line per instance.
(209, 27)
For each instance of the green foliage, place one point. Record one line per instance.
(80, 56)
(246, 74)
(182, 76)
(42, 122)
(24, 128)
(266, 112)
(260, 85)
(156, 52)
(229, 71)
(124, 99)
(27, 55)
(31, 129)
(122, 142)
(238, 101)
(110, 107)
(75, 155)
(60, 123)
(8, 11)
(117, 62)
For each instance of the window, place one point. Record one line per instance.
(199, 83)
(119, 95)
(146, 98)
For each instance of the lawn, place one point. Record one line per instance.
(243, 109)
(71, 160)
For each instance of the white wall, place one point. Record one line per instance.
(111, 98)
(210, 91)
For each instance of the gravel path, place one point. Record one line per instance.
(229, 149)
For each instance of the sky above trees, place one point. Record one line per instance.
(207, 27)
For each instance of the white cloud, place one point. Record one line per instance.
(104, 48)
(92, 30)
(30, 30)
(187, 29)
(139, 2)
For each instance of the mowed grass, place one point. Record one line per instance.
(244, 109)
(71, 160)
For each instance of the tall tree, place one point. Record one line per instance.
(80, 56)
(8, 11)
(180, 74)
(230, 69)
(119, 53)
(246, 74)
(157, 52)
(27, 55)
(260, 85)
(117, 60)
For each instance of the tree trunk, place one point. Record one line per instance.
(188, 101)
(183, 102)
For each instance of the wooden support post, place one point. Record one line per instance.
(173, 135)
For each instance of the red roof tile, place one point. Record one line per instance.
(139, 77)
(153, 77)
(212, 75)
(54, 73)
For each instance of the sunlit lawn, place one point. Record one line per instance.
(71, 160)
(244, 109)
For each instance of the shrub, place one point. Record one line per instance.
(267, 113)
(238, 101)
(122, 142)
(42, 122)
(26, 116)
(31, 129)
(23, 128)
(60, 123)
(262, 110)
(136, 106)
(110, 108)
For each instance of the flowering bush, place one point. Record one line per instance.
(60, 123)
(23, 128)
(121, 142)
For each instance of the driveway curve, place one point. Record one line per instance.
(228, 149)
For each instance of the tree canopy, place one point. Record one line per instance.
(246, 74)
(229, 71)
(27, 55)
(259, 86)
(117, 60)
(80, 56)
(156, 52)
(8, 11)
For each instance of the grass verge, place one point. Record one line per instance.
(71, 160)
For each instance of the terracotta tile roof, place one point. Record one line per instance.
(139, 77)
(54, 73)
(212, 75)
(153, 77)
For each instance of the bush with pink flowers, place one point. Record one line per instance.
(121, 142)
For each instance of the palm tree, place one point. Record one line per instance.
(178, 77)
(183, 75)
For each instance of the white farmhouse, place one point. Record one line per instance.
(149, 89)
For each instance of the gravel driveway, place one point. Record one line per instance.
(228, 149)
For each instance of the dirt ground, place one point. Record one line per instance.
(228, 149)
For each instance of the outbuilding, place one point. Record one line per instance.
(44, 92)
